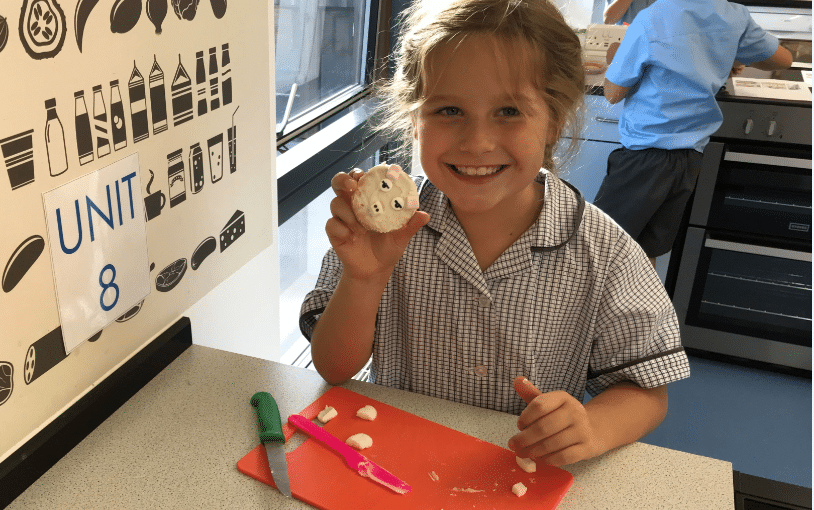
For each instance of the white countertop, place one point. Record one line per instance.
(176, 443)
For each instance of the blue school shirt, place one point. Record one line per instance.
(675, 56)
(635, 7)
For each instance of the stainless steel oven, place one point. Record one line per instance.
(743, 284)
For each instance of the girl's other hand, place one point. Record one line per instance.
(554, 427)
(364, 253)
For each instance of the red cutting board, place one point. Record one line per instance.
(411, 448)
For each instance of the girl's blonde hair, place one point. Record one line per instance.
(558, 73)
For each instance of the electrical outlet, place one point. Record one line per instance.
(600, 37)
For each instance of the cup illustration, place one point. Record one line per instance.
(231, 135)
(154, 202)
(19, 155)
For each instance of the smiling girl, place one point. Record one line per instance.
(505, 290)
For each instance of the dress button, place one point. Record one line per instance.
(481, 371)
(484, 301)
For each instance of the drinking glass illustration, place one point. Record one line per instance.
(18, 151)
(215, 145)
(231, 135)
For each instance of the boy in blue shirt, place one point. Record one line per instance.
(620, 12)
(674, 58)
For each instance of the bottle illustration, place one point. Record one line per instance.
(175, 176)
(100, 124)
(138, 106)
(200, 82)
(84, 136)
(158, 98)
(213, 79)
(226, 75)
(119, 128)
(181, 95)
(196, 171)
(55, 140)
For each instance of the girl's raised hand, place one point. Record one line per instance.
(554, 427)
(364, 253)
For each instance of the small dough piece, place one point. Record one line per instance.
(359, 441)
(327, 414)
(367, 413)
(385, 198)
(519, 489)
(527, 465)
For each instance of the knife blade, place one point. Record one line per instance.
(273, 439)
(361, 464)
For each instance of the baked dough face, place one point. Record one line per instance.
(385, 198)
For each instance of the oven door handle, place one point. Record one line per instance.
(762, 159)
(758, 250)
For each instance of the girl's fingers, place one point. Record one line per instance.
(403, 235)
(525, 389)
(546, 427)
(542, 405)
(342, 210)
(345, 183)
(338, 232)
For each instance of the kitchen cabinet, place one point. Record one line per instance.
(588, 166)
(598, 138)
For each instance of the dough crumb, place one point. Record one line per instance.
(519, 489)
(367, 413)
(458, 489)
(433, 476)
(327, 414)
(360, 441)
(527, 465)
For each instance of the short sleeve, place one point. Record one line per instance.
(638, 338)
(315, 301)
(755, 44)
(631, 58)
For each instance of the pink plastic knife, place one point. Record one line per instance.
(354, 459)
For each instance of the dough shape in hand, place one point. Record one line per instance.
(527, 465)
(385, 198)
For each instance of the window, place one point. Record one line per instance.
(326, 52)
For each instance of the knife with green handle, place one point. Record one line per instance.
(273, 439)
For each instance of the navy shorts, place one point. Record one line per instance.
(646, 191)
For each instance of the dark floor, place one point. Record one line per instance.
(760, 421)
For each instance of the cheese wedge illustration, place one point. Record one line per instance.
(235, 228)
